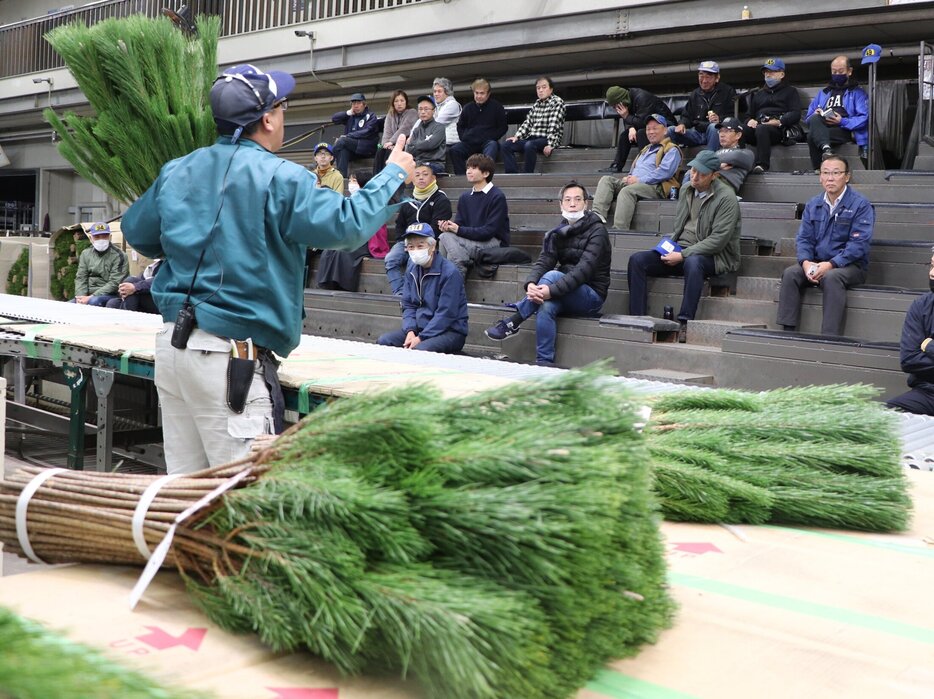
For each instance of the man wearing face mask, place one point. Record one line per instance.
(434, 301)
(838, 114)
(101, 268)
(772, 109)
(916, 361)
(570, 277)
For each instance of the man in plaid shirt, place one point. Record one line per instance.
(541, 131)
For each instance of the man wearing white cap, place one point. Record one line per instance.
(232, 222)
(709, 104)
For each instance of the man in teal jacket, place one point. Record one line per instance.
(232, 222)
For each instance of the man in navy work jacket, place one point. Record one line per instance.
(917, 362)
(361, 132)
(232, 222)
(832, 248)
(434, 301)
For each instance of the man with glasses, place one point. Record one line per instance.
(832, 248)
(570, 277)
(428, 142)
(232, 222)
(434, 301)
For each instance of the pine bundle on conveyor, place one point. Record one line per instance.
(504, 545)
(823, 456)
(148, 85)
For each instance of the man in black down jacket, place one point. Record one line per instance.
(772, 109)
(571, 276)
(707, 106)
(633, 106)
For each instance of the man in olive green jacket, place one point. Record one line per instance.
(101, 268)
(706, 237)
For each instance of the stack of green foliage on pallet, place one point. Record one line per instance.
(17, 281)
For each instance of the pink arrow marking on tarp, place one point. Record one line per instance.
(299, 693)
(162, 640)
(697, 548)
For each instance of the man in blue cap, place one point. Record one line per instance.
(652, 175)
(434, 301)
(361, 132)
(771, 110)
(232, 222)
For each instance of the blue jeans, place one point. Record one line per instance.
(583, 301)
(648, 263)
(709, 138)
(446, 343)
(530, 147)
(459, 153)
(98, 300)
(396, 260)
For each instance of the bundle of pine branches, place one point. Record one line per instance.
(148, 85)
(504, 545)
(36, 663)
(825, 456)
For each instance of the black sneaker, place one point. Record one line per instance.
(758, 170)
(502, 330)
(613, 168)
(683, 332)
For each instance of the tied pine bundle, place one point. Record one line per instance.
(503, 545)
(823, 456)
(149, 87)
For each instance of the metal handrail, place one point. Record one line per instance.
(23, 49)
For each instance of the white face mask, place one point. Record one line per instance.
(100, 245)
(353, 187)
(420, 257)
(572, 216)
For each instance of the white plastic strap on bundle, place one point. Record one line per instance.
(22, 505)
(142, 509)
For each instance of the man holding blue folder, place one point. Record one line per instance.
(704, 242)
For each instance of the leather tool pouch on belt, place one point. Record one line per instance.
(239, 377)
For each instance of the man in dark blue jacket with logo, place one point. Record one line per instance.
(832, 248)
(434, 301)
(917, 362)
(361, 132)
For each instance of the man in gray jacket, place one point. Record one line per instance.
(705, 237)
(428, 142)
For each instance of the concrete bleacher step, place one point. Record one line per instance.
(673, 376)
(712, 332)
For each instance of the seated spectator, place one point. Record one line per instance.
(634, 107)
(429, 205)
(134, 292)
(101, 268)
(652, 175)
(838, 114)
(916, 361)
(772, 108)
(736, 161)
(482, 219)
(707, 227)
(832, 248)
(447, 109)
(400, 119)
(361, 131)
(480, 126)
(427, 144)
(570, 277)
(709, 104)
(434, 302)
(340, 270)
(541, 131)
(329, 176)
